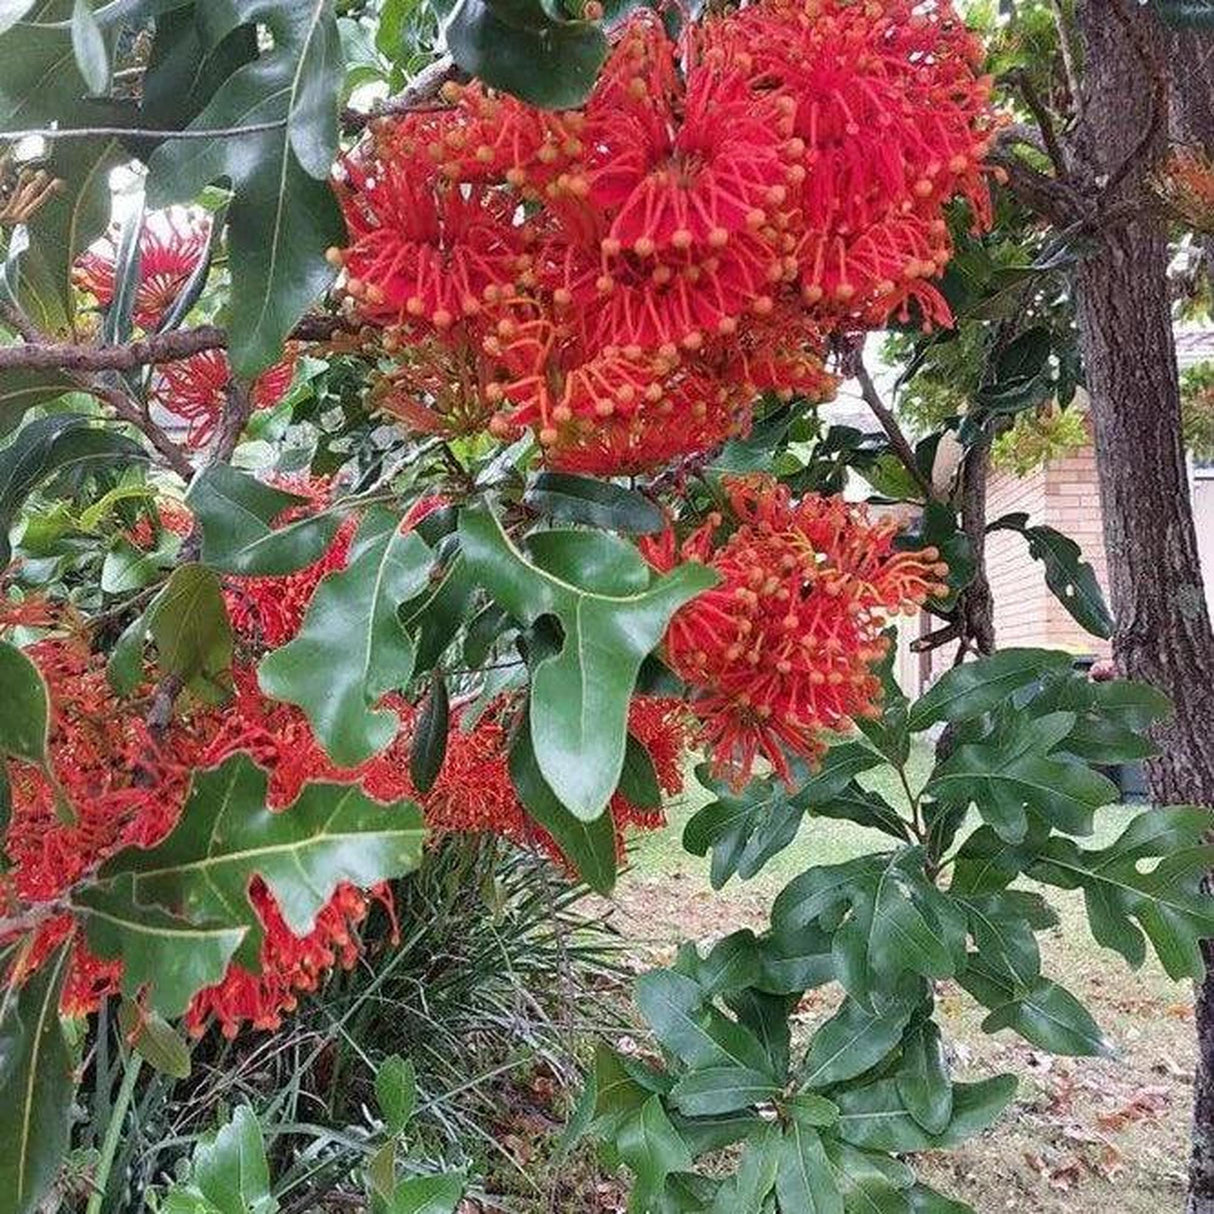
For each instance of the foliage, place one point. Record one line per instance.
(454, 470)
(824, 1127)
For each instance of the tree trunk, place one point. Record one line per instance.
(1163, 633)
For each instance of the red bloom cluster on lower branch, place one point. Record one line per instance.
(126, 789)
(782, 648)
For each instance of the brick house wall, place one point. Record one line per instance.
(1065, 495)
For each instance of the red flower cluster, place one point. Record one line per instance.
(171, 244)
(124, 788)
(781, 648)
(624, 279)
(193, 390)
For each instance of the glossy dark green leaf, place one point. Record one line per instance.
(898, 921)
(594, 503)
(154, 1040)
(638, 777)
(166, 958)
(871, 1182)
(24, 707)
(722, 1089)
(853, 1041)
(1042, 1012)
(803, 1176)
(1019, 769)
(188, 621)
(88, 46)
(430, 741)
(923, 1079)
(580, 696)
(127, 568)
(691, 1028)
(767, 1017)
(974, 688)
(435, 617)
(352, 650)
(731, 964)
(1125, 905)
(227, 834)
(875, 1118)
(283, 215)
(1070, 578)
(794, 961)
(396, 1091)
(36, 1078)
(588, 845)
(236, 514)
(523, 47)
(51, 446)
(748, 1188)
(742, 829)
(21, 390)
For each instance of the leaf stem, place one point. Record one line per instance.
(134, 132)
(113, 1132)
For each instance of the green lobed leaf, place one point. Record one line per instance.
(593, 503)
(36, 1078)
(580, 695)
(923, 1079)
(283, 215)
(1042, 1012)
(227, 834)
(1127, 906)
(166, 959)
(396, 1091)
(351, 650)
(974, 688)
(853, 1041)
(691, 1028)
(24, 707)
(1070, 578)
(1022, 768)
(522, 47)
(236, 513)
(229, 1172)
(638, 777)
(870, 1182)
(747, 1189)
(188, 621)
(588, 845)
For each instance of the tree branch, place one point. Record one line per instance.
(134, 132)
(38, 354)
(889, 423)
(125, 409)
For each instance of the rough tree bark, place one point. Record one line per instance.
(1163, 634)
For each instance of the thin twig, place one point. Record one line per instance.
(421, 90)
(1068, 57)
(889, 423)
(130, 132)
(1045, 121)
(126, 409)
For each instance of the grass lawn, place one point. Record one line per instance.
(1085, 1135)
